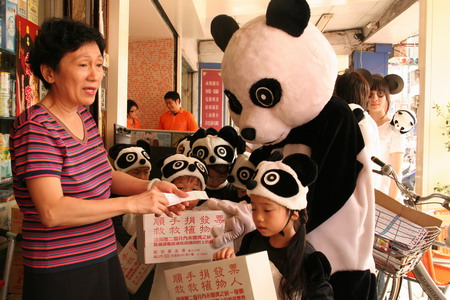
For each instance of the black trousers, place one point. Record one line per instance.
(101, 281)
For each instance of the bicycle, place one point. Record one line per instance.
(389, 280)
(12, 238)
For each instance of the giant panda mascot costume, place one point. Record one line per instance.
(279, 72)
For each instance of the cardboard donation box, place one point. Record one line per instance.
(246, 277)
(180, 238)
(402, 235)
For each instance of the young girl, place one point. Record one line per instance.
(278, 198)
(392, 143)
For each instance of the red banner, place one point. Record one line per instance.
(211, 99)
(27, 83)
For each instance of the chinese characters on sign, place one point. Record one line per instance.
(211, 99)
(245, 277)
(180, 238)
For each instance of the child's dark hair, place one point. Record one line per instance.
(293, 282)
(57, 37)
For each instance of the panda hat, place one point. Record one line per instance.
(127, 157)
(404, 120)
(284, 181)
(215, 148)
(178, 165)
(243, 168)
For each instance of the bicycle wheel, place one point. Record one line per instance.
(388, 286)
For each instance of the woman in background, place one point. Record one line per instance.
(392, 143)
(132, 110)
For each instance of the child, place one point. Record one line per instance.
(188, 174)
(278, 198)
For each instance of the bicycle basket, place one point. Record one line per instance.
(399, 243)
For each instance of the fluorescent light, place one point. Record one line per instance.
(323, 21)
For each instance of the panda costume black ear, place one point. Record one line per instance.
(144, 145)
(240, 148)
(114, 150)
(222, 29)
(395, 83)
(230, 135)
(258, 155)
(291, 16)
(304, 166)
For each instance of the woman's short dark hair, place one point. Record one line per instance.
(57, 37)
(130, 104)
(353, 88)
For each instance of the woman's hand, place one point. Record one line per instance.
(167, 187)
(224, 253)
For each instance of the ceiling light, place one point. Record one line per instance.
(323, 21)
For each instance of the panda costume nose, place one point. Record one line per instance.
(248, 133)
(212, 159)
(142, 161)
(191, 168)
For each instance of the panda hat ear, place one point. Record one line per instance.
(241, 146)
(395, 83)
(199, 134)
(258, 155)
(291, 16)
(114, 150)
(222, 29)
(304, 166)
(230, 135)
(144, 145)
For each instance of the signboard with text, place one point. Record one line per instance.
(180, 238)
(211, 99)
(246, 277)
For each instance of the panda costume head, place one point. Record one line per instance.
(284, 181)
(178, 165)
(275, 86)
(129, 157)
(404, 120)
(183, 145)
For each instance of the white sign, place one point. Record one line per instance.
(246, 277)
(180, 238)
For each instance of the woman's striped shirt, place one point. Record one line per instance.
(41, 146)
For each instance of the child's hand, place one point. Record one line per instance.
(224, 253)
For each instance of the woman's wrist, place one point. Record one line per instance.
(152, 182)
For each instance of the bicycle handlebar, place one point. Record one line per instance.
(411, 197)
(10, 234)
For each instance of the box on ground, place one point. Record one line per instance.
(244, 277)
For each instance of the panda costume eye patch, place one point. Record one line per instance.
(201, 151)
(235, 105)
(173, 167)
(266, 92)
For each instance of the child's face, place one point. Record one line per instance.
(141, 173)
(215, 178)
(269, 217)
(188, 184)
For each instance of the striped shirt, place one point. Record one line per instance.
(41, 146)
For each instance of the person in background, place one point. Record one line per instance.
(63, 179)
(392, 143)
(132, 110)
(278, 199)
(353, 87)
(176, 118)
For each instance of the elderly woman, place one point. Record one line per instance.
(62, 177)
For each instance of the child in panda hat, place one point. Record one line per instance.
(278, 198)
(186, 173)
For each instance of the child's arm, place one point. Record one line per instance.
(224, 253)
